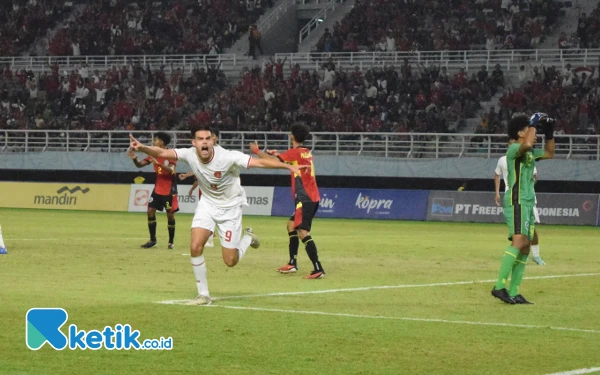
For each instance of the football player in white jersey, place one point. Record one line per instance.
(217, 171)
(502, 170)
(183, 176)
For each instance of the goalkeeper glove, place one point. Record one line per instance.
(543, 124)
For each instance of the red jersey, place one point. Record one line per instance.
(166, 183)
(304, 184)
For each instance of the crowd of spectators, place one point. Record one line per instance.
(24, 21)
(571, 95)
(408, 98)
(129, 97)
(588, 30)
(403, 98)
(426, 25)
(411, 98)
(123, 27)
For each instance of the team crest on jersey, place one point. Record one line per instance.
(218, 174)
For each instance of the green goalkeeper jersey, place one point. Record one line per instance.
(520, 176)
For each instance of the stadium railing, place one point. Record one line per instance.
(274, 16)
(315, 22)
(384, 145)
(103, 63)
(468, 59)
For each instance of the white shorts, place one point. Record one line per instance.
(227, 220)
(536, 215)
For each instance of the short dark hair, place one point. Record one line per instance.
(199, 127)
(166, 138)
(300, 132)
(215, 132)
(515, 125)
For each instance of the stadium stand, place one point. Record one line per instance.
(23, 21)
(385, 25)
(412, 98)
(119, 27)
(407, 94)
(123, 98)
(569, 94)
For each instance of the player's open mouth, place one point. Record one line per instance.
(205, 148)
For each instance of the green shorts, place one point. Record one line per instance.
(520, 220)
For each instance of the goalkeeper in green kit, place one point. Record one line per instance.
(519, 199)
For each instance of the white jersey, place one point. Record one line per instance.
(219, 179)
(502, 170)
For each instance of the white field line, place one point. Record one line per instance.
(283, 238)
(578, 372)
(401, 286)
(465, 322)
(15, 239)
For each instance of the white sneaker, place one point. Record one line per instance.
(200, 301)
(255, 244)
(539, 261)
(210, 242)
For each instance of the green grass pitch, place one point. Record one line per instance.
(437, 316)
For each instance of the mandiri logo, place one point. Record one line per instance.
(42, 325)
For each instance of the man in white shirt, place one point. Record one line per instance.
(76, 49)
(502, 170)
(268, 94)
(84, 71)
(328, 78)
(101, 93)
(217, 171)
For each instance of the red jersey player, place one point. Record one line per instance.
(306, 199)
(164, 195)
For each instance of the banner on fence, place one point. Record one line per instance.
(564, 209)
(359, 203)
(260, 199)
(64, 196)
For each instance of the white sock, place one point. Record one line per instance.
(1, 240)
(199, 267)
(244, 244)
(535, 249)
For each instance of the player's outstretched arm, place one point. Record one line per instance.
(261, 154)
(183, 176)
(275, 164)
(137, 163)
(153, 151)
